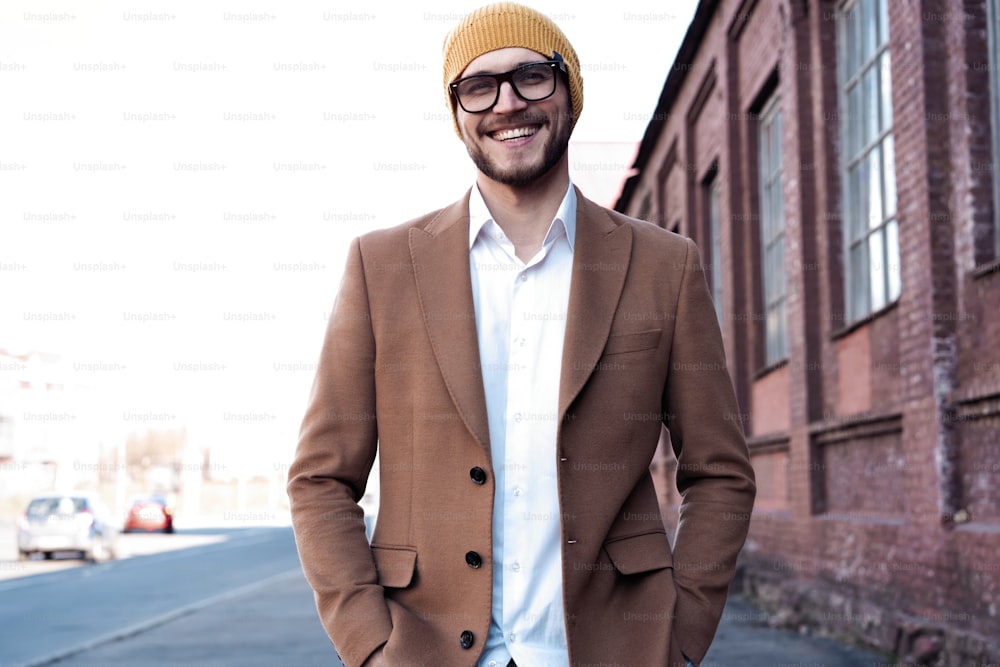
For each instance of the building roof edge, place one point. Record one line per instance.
(671, 87)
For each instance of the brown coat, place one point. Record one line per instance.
(400, 369)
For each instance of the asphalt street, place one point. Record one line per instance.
(55, 614)
(242, 601)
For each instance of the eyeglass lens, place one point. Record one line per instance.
(531, 82)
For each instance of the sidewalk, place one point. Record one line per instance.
(744, 639)
(278, 626)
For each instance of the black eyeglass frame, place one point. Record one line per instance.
(557, 62)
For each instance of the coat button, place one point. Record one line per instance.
(474, 560)
(466, 638)
(478, 475)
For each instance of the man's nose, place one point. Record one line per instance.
(508, 100)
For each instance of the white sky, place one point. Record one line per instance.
(393, 158)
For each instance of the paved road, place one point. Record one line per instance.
(277, 626)
(243, 601)
(49, 615)
(273, 626)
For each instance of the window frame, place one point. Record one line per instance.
(715, 240)
(772, 233)
(858, 144)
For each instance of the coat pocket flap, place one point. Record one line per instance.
(395, 565)
(633, 342)
(640, 553)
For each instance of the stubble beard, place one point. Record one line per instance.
(524, 174)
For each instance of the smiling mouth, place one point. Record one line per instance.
(513, 133)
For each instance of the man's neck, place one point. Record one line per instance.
(525, 213)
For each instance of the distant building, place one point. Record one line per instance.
(50, 437)
(837, 164)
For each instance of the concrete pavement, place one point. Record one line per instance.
(276, 625)
(745, 639)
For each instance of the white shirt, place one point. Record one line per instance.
(521, 321)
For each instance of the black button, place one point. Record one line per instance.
(466, 638)
(478, 475)
(474, 560)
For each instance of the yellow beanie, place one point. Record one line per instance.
(502, 25)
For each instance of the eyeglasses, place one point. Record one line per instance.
(531, 82)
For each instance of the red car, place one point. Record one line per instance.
(149, 514)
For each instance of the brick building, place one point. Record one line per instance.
(836, 163)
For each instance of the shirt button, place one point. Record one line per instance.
(516, 567)
(523, 277)
(474, 560)
(493, 663)
(517, 490)
(478, 475)
(466, 639)
(513, 637)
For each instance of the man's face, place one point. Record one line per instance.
(516, 142)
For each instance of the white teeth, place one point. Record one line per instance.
(515, 133)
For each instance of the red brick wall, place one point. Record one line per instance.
(876, 444)
(770, 400)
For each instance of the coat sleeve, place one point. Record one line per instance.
(714, 476)
(327, 478)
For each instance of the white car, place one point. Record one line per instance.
(67, 522)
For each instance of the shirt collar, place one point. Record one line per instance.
(479, 216)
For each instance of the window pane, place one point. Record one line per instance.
(776, 213)
(765, 151)
(779, 267)
(874, 189)
(854, 124)
(877, 262)
(894, 268)
(772, 147)
(885, 76)
(772, 335)
(883, 22)
(770, 275)
(861, 195)
(776, 143)
(847, 207)
(889, 175)
(782, 337)
(767, 213)
(871, 104)
(859, 277)
(773, 209)
(851, 44)
(868, 27)
(767, 208)
(771, 202)
(770, 137)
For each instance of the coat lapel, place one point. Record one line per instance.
(440, 257)
(601, 255)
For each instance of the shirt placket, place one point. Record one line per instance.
(523, 350)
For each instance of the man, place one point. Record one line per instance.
(512, 358)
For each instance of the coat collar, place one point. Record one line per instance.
(440, 256)
(439, 253)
